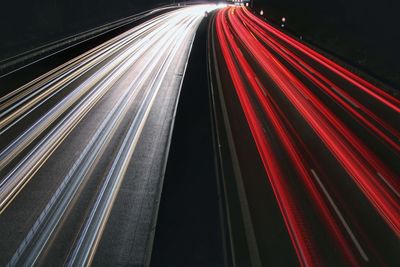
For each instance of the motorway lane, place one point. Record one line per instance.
(328, 141)
(75, 137)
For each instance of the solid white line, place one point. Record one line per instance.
(89, 238)
(339, 214)
(389, 185)
(261, 86)
(344, 97)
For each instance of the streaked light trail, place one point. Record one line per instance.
(299, 104)
(103, 102)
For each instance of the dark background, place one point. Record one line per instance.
(364, 33)
(26, 24)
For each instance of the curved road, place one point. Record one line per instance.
(83, 149)
(313, 138)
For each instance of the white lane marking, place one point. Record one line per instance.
(306, 67)
(87, 243)
(261, 86)
(388, 184)
(284, 50)
(344, 97)
(346, 226)
(155, 55)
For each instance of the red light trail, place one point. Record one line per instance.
(264, 65)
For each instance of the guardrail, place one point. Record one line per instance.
(19, 61)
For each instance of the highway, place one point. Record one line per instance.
(314, 149)
(83, 149)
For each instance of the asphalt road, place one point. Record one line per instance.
(83, 149)
(315, 148)
(188, 231)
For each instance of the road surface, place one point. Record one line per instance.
(315, 151)
(83, 149)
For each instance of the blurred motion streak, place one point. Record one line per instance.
(270, 71)
(139, 73)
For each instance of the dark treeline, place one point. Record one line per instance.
(364, 32)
